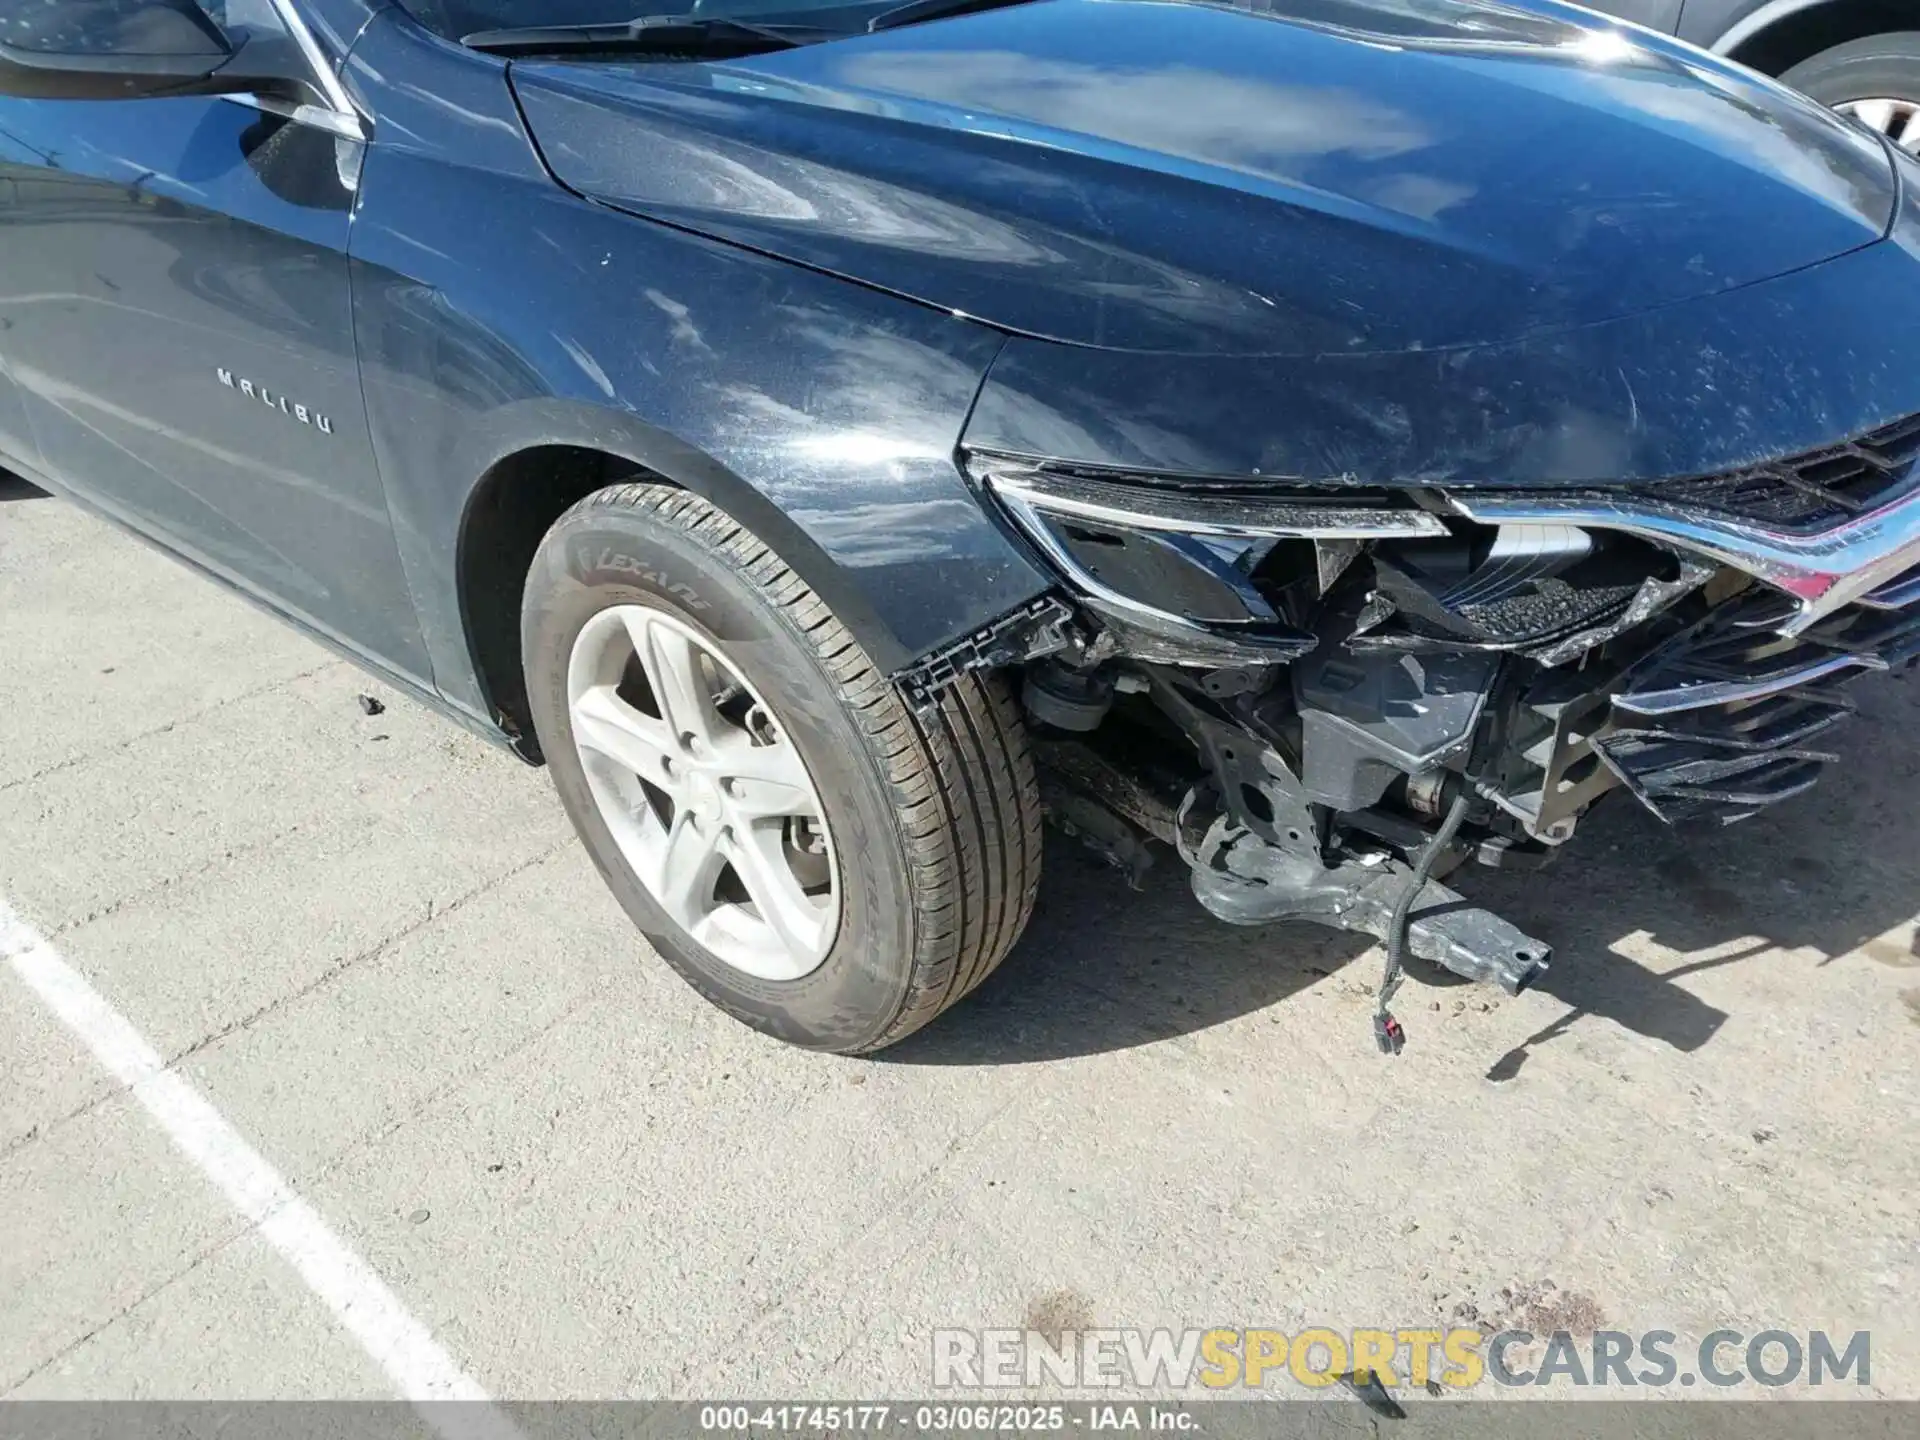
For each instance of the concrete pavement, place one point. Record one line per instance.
(372, 944)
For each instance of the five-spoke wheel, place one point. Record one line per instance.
(815, 858)
(709, 802)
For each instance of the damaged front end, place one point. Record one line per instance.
(1327, 700)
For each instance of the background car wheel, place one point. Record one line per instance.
(814, 857)
(1876, 80)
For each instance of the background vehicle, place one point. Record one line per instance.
(1859, 56)
(792, 425)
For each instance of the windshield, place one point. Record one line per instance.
(455, 18)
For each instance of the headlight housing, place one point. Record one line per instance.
(1207, 565)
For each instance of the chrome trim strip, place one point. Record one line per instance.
(1895, 596)
(344, 127)
(1823, 572)
(349, 124)
(1731, 692)
(1197, 513)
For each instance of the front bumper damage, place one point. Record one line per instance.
(1348, 665)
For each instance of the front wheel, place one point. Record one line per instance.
(1875, 79)
(812, 856)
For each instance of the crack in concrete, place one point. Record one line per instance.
(325, 1168)
(800, 1276)
(279, 1002)
(73, 762)
(160, 887)
(8, 1387)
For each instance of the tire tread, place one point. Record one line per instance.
(966, 796)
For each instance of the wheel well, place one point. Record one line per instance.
(1804, 34)
(510, 512)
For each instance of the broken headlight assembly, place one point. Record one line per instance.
(1327, 699)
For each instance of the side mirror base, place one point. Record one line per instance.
(134, 49)
(265, 65)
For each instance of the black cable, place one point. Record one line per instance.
(1387, 1033)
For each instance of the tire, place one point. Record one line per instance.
(1876, 67)
(933, 821)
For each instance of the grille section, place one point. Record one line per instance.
(1813, 491)
(1728, 718)
(1891, 635)
(1724, 765)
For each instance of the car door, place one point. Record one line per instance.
(175, 309)
(19, 168)
(17, 450)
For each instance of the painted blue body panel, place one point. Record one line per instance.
(1199, 179)
(1478, 243)
(1776, 368)
(823, 415)
(163, 244)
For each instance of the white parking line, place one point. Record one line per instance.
(420, 1370)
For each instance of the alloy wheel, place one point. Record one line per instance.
(704, 792)
(1898, 120)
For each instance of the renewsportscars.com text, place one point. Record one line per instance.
(1455, 1359)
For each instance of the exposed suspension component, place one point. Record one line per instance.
(1328, 699)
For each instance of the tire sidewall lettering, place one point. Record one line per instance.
(864, 978)
(599, 561)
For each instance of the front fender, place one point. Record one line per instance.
(495, 311)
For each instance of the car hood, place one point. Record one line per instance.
(1321, 177)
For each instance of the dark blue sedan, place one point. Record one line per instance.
(1320, 443)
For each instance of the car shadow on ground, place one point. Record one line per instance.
(1105, 968)
(12, 487)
